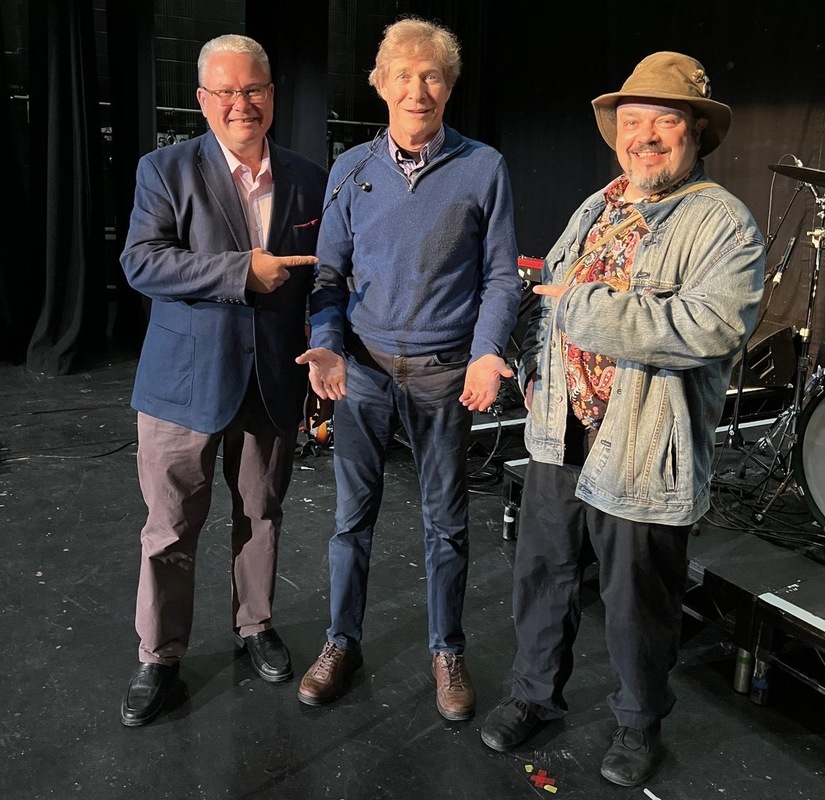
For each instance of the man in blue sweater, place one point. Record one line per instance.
(416, 295)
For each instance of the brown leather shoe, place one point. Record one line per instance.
(328, 678)
(454, 693)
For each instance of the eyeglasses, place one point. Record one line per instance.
(228, 97)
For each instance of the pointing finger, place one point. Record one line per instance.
(301, 261)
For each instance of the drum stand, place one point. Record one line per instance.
(778, 441)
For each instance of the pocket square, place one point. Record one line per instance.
(311, 224)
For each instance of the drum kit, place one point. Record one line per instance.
(795, 441)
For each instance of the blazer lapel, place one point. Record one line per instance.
(220, 185)
(283, 190)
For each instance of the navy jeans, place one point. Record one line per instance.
(421, 393)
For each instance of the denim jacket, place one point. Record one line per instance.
(696, 284)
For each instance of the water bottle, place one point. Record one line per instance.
(510, 516)
(743, 672)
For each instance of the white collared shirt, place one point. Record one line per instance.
(255, 193)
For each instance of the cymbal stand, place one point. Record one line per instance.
(734, 439)
(782, 435)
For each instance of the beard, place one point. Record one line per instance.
(650, 184)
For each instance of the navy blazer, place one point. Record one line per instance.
(188, 249)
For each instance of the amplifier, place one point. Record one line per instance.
(770, 358)
(529, 268)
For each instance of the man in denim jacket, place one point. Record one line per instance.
(649, 293)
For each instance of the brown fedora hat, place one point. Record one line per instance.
(668, 76)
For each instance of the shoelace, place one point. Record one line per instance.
(512, 701)
(452, 663)
(330, 656)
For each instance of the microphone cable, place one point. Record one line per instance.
(365, 186)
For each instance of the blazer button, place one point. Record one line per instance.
(249, 349)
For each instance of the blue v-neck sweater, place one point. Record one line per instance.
(418, 267)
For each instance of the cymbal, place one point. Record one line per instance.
(804, 174)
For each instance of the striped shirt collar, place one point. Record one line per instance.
(429, 151)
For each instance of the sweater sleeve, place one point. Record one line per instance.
(329, 297)
(501, 282)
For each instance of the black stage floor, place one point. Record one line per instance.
(71, 512)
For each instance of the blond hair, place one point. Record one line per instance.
(414, 36)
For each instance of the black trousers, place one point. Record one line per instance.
(642, 580)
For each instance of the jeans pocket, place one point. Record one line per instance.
(451, 358)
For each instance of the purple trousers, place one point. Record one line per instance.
(176, 469)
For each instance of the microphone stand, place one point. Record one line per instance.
(771, 237)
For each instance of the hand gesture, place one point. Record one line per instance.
(482, 382)
(550, 289)
(327, 373)
(267, 272)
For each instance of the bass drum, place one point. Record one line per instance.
(808, 457)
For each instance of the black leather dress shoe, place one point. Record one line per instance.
(633, 756)
(269, 655)
(148, 690)
(509, 724)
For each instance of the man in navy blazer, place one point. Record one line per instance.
(218, 367)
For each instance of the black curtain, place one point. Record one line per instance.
(295, 37)
(469, 109)
(130, 31)
(19, 294)
(68, 237)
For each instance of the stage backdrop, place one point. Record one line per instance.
(526, 88)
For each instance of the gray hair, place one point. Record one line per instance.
(418, 37)
(232, 43)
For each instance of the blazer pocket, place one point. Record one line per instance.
(305, 238)
(313, 223)
(166, 368)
